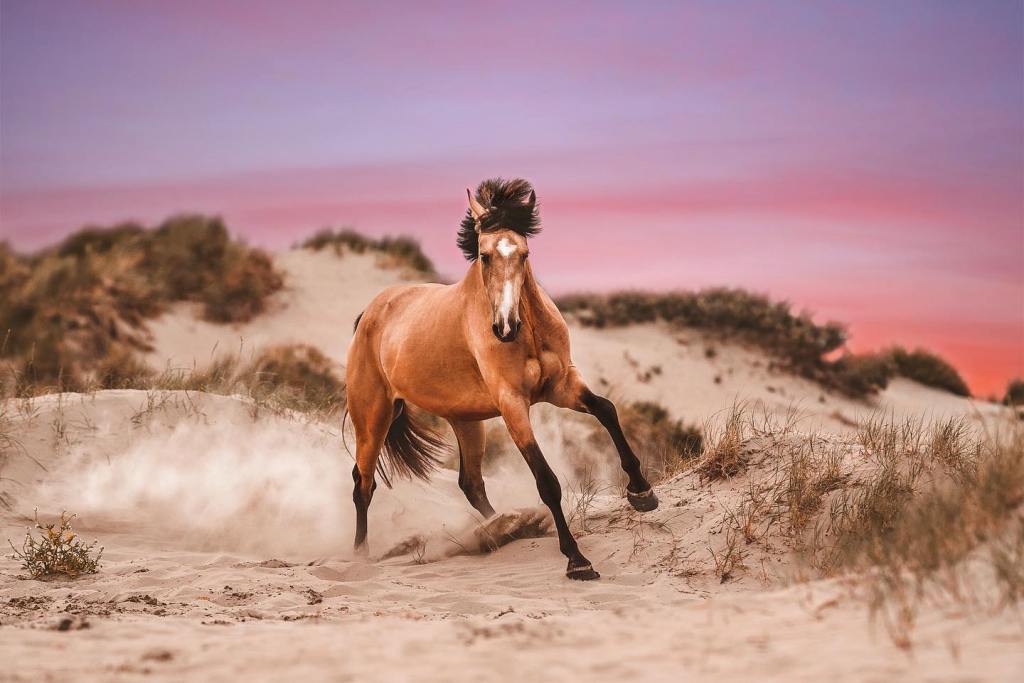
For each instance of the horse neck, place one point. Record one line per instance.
(533, 303)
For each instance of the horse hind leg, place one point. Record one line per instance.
(470, 436)
(371, 411)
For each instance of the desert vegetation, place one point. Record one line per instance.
(916, 511)
(289, 377)
(1014, 393)
(73, 315)
(798, 342)
(58, 551)
(398, 251)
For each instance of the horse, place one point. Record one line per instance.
(492, 344)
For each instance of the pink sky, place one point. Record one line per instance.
(863, 160)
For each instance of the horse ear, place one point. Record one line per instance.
(532, 200)
(475, 208)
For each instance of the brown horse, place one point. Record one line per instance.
(492, 344)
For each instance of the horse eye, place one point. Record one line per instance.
(486, 258)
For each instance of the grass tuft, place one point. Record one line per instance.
(726, 451)
(57, 552)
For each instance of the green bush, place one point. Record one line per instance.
(1014, 393)
(860, 375)
(403, 251)
(928, 369)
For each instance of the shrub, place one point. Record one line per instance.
(796, 339)
(69, 315)
(401, 251)
(290, 377)
(684, 440)
(300, 375)
(57, 552)
(751, 318)
(928, 369)
(860, 375)
(1014, 393)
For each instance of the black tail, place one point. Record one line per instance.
(410, 448)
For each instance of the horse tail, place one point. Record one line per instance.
(411, 449)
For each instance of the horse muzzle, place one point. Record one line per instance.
(513, 331)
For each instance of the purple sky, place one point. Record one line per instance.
(862, 159)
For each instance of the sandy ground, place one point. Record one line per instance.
(227, 531)
(226, 538)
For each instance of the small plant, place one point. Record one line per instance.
(726, 453)
(58, 552)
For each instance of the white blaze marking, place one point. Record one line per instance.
(506, 303)
(506, 248)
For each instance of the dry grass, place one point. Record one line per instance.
(726, 451)
(580, 498)
(911, 516)
(914, 510)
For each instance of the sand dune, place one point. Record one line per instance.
(227, 532)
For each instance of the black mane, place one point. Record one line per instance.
(508, 208)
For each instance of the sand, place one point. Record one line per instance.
(227, 532)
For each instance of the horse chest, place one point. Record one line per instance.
(542, 371)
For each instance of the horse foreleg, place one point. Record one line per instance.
(470, 436)
(577, 396)
(516, 413)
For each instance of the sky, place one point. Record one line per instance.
(863, 160)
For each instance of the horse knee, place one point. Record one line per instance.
(600, 407)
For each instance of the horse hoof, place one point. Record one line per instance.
(644, 501)
(583, 572)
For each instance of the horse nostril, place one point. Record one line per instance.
(496, 330)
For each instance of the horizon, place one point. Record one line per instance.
(862, 161)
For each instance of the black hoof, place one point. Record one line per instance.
(582, 572)
(644, 502)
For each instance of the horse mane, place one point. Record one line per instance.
(507, 207)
